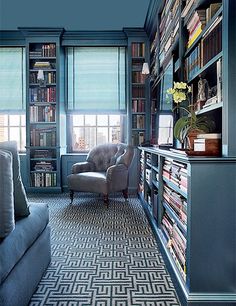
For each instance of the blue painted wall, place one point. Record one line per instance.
(73, 15)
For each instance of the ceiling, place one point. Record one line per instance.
(74, 15)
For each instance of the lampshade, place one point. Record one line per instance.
(40, 75)
(145, 69)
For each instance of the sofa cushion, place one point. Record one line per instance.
(7, 222)
(27, 230)
(20, 201)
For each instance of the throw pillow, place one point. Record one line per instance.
(7, 222)
(20, 201)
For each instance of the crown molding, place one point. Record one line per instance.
(41, 31)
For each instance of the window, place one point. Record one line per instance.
(165, 129)
(12, 127)
(91, 130)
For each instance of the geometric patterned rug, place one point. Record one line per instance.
(102, 256)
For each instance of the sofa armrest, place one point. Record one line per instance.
(82, 167)
(117, 177)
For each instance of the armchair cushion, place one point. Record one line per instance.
(88, 182)
(83, 167)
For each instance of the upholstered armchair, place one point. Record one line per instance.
(104, 171)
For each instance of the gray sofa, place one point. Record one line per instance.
(24, 237)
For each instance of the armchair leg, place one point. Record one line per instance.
(71, 196)
(105, 199)
(125, 193)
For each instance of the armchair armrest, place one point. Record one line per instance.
(117, 177)
(82, 167)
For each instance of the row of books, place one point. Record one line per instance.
(43, 179)
(39, 94)
(138, 50)
(43, 137)
(138, 121)
(168, 28)
(153, 56)
(208, 48)
(209, 11)
(138, 91)
(176, 242)
(138, 77)
(137, 138)
(43, 154)
(42, 113)
(198, 21)
(176, 172)
(177, 203)
(193, 62)
(168, 16)
(195, 26)
(43, 166)
(137, 65)
(47, 50)
(49, 77)
(212, 41)
(138, 106)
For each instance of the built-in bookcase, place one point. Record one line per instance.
(138, 93)
(186, 45)
(184, 197)
(43, 117)
(45, 114)
(184, 207)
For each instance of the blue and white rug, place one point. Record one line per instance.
(102, 256)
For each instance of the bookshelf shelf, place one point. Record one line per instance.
(210, 108)
(44, 69)
(174, 187)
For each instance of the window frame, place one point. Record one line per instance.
(20, 127)
(108, 126)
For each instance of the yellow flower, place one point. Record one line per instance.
(170, 91)
(179, 96)
(180, 85)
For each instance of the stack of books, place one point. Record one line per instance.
(176, 172)
(195, 25)
(177, 247)
(177, 203)
(43, 166)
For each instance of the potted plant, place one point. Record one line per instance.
(187, 127)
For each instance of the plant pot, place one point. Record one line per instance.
(191, 136)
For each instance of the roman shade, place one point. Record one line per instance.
(96, 79)
(12, 79)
